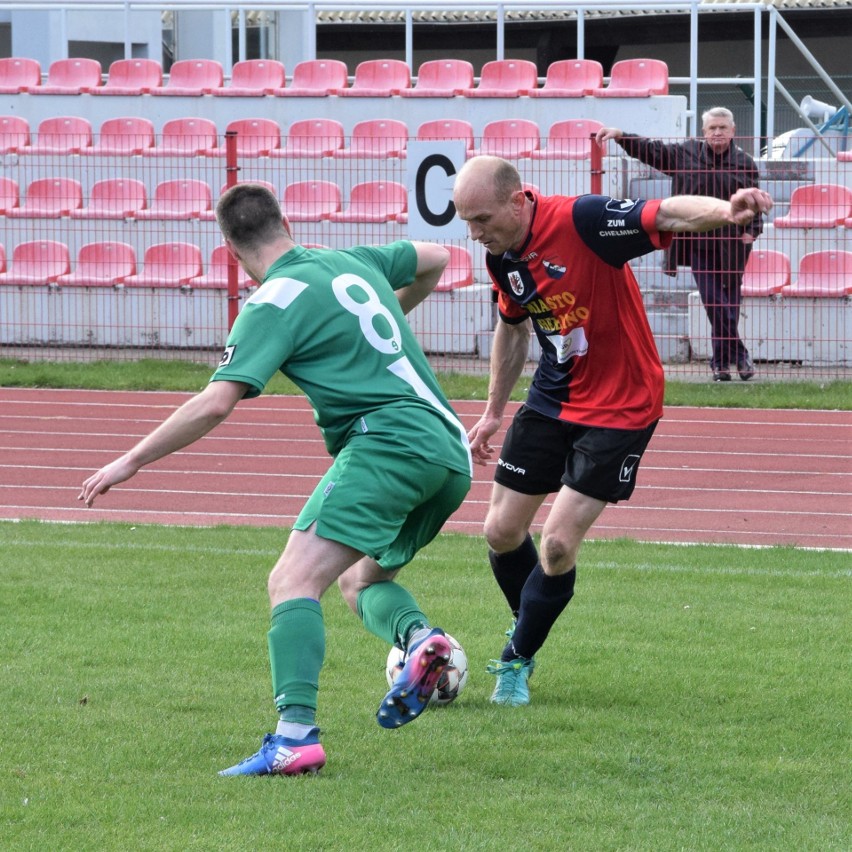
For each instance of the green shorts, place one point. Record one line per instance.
(382, 503)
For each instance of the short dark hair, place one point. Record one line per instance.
(249, 215)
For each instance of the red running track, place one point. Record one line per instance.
(741, 476)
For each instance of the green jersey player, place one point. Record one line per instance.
(333, 321)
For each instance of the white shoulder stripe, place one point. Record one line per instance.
(281, 292)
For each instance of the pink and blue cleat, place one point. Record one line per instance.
(283, 756)
(414, 685)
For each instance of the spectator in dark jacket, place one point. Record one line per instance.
(712, 166)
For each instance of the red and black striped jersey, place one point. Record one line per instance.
(599, 364)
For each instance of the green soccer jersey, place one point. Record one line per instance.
(330, 321)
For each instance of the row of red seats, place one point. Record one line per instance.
(323, 77)
(811, 205)
(821, 274)
(261, 137)
(187, 198)
(170, 265)
(179, 264)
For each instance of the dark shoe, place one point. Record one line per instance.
(721, 376)
(745, 368)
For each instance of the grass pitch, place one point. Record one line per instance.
(690, 698)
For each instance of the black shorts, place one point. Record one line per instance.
(541, 454)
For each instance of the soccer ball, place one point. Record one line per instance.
(453, 677)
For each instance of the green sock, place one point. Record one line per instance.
(390, 612)
(296, 652)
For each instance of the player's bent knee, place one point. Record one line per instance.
(349, 588)
(503, 537)
(557, 554)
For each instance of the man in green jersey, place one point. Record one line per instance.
(333, 322)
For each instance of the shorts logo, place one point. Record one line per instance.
(328, 489)
(522, 471)
(627, 468)
(227, 355)
(516, 283)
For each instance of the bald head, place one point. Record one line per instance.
(488, 195)
(490, 175)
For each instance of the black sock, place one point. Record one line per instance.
(542, 602)
(512, 569)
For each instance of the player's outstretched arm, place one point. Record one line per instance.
(432, 259)
(699, 213)
(194, 419)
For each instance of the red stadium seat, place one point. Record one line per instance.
(71, 77)
(447, 129)
(821, 205)
(459, 271)
(844, 156)
(64, 134)
(311, 200)
(185, 137)
(100, 265)
(216, 277)
(2, 258)
(378, 78)
(254, 78)
(375, 201)
(822, 274)
(316, 78)
(37, 262)
(19, 74)
(14, 133)
(510, 138)
(441, 78)
(569, 140)
(570, 78)
(49, 198)
(256, 137)
(377, 138)
(505, 78)
(178, 199)
(114, 198)
(312, 137)
(131, 77)
(10, 194)
(766, 273)
(167, 265)
(636, 78)
(123, 137)
(192, 77)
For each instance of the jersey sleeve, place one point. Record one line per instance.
(259, 344)
(617, 230)
(397, 261)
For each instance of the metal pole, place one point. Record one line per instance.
(692, 107)
(758, 94)
(770, 79)
(231, 169)
(596, 166)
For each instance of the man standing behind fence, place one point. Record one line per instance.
(714, 166)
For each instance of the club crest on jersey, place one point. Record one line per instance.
(516, 283)
(554, 270)
(227, 356)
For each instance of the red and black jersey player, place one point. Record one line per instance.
(597, 394)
